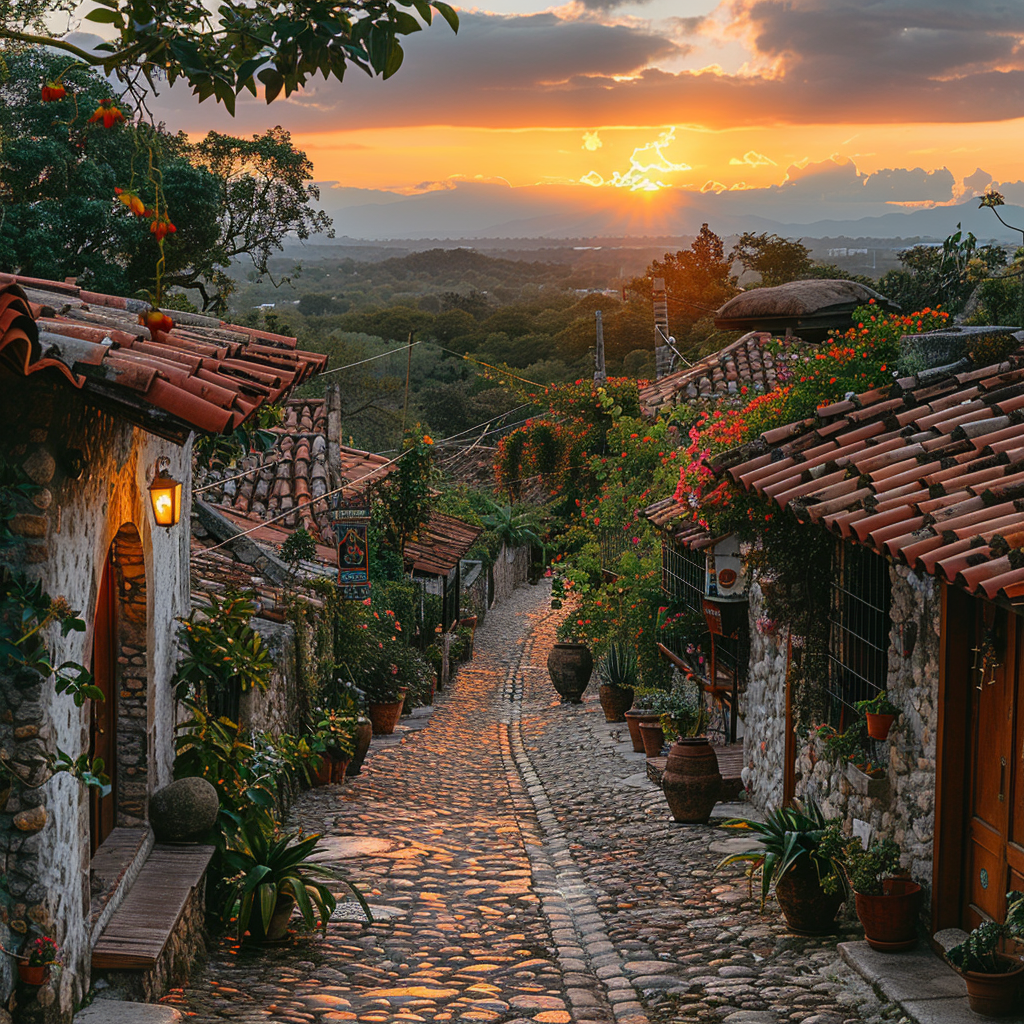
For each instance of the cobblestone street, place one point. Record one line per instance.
(523, 869)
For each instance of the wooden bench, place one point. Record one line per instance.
(140, 927)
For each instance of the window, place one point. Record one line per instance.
(682, 574)
(858, 630)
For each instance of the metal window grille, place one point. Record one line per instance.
(613, 543)
(682, 574)
(859, 630)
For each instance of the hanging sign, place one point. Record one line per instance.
(351, 519)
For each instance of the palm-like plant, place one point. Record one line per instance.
(786, 835)
(272, 869)
(513, 528)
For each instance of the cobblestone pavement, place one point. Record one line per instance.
(523, 870)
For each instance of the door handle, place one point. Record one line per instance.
(1002, 778)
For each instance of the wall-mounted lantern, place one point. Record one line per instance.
(165, 495)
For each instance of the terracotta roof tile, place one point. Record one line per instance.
(203, 375)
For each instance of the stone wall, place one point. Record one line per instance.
(278, 709)
(904, 807)
(90, 473)
(510, 570)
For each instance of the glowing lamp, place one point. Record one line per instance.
(165, 496)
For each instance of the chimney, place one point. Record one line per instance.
(662, 353)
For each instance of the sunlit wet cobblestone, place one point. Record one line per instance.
(524, 872)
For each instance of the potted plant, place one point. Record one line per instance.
(618, 673)
(384, 699)
(793, 864)
(692, 782)
(643, 710)
(887, 904)
(880, 713)
(993, 976)
(37, 958)
(271, 876)
(336, 729)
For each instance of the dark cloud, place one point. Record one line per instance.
(852, 61)
(838, 181)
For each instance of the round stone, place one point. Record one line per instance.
(184, 811)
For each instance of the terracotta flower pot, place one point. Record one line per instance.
(569, 666)
(995, 995)
(633, 720)
(890, 920)
(692, 782)
(33, 974)
(615, 701)
(807, 908)
(320, 775)
(339, 766)
(363, 736)
(278, 927)
(385, 716)
(653, 736)
(879, 725)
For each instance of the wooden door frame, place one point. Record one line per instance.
(952, 746)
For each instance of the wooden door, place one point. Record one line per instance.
(102, 803)
(994, 861)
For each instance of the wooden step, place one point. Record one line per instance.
(142, 924)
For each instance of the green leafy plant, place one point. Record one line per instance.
(335, 730)
(786, 836)
(877, 705)
(514, 527)
(864, 869)
(266, 868)
(619, 665)
(980, 951)
(684, 712)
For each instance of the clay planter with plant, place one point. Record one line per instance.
(793, 865)
(37, 958)
(887, 904)
(384, 699)
(992, 975)
(618, 674)
(879, 713)
(692, 782)
(336, 729)
(271, 876)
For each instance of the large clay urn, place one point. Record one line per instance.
(569, 666)
(615, 701)
(692, 782)
(633, 720)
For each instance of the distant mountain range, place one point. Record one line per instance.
(477, 210)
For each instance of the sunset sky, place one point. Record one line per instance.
(735, 95)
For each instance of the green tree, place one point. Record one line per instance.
(776, 259)
(228, 197)
(236, 45)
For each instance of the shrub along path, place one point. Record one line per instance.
(523, 870)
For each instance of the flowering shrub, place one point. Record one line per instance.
(42, 951)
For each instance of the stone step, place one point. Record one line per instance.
(113, 1011)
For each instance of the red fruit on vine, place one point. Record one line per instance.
(162, 226)
(107, 113)
(53, 92)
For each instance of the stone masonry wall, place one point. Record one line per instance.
(279, 708)
(90, 473)
(904, 808)
(511, 568)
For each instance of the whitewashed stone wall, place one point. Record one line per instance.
(64, 543)
(279, 708)
(510, 570)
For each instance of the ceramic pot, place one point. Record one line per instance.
(569, 666)
(33, 975)
(615, 701)
(807, 908)
(879, 725)
(633, 720)
(339, 766)
(994, 995)
(692, 782)
(653, 736)
(361, 741)
(384, 716)
(321, 774)
(278, 927)
(890, 920)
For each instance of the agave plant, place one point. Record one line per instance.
(786, 835)
(270, 870)
(619, 666)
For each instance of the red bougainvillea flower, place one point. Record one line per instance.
(107, 113)
(156, 321)
(161, 226)
(53, 92)
(132, 201)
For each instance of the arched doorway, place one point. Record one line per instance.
(120, 722)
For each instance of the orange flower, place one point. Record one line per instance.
(132, 201)
(156, 321)
(107, 113)
(53, 92)
(162, 226)
(427, 439)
